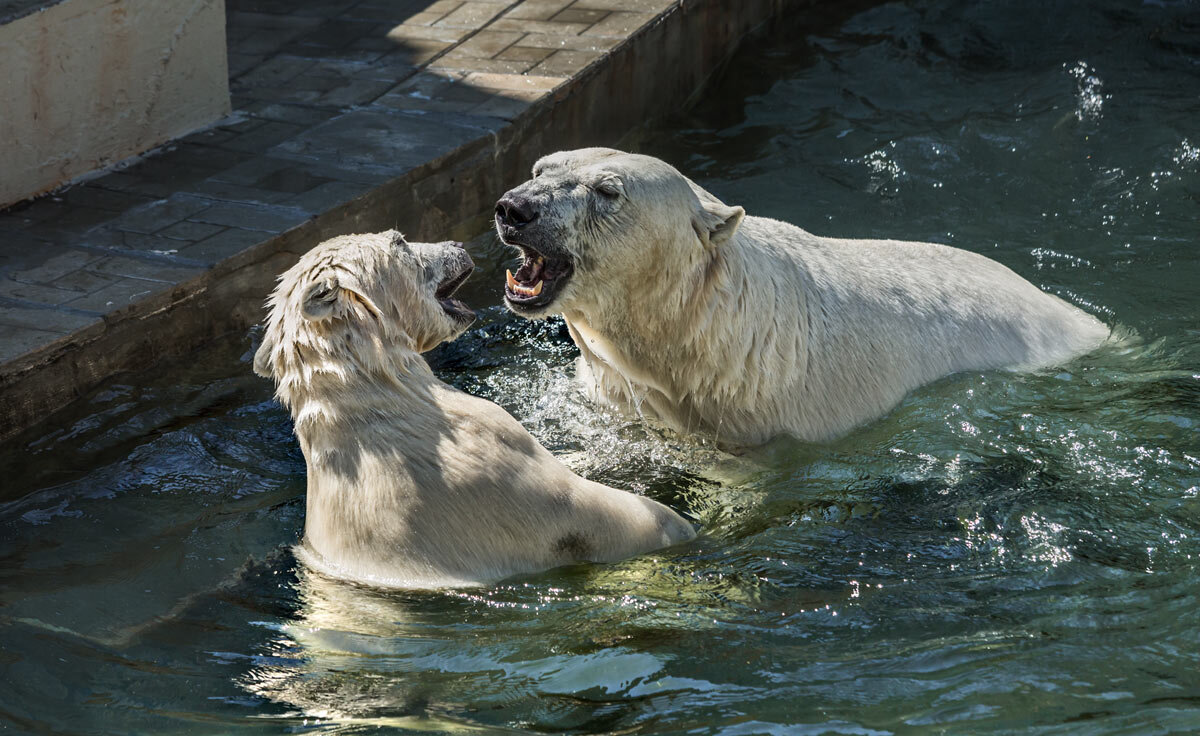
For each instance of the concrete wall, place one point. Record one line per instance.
(86, 83)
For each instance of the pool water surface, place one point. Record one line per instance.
(1003, 553)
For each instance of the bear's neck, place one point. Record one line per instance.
(693, 347)
(329, 393)
(326, 406)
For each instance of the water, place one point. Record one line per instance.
(1002, 554)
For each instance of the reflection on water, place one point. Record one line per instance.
(1003, 553)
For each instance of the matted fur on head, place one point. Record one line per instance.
(368, 304)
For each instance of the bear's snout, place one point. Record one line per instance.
(515, 210)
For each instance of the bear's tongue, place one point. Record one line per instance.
(528, 281)
(531, 270)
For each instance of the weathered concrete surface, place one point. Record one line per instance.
(87, 83)
(422, 137)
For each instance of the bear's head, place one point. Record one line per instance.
(596, 224)
(361, 305)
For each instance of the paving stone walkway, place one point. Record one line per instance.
(331, 98)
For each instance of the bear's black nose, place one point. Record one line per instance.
(516, 211)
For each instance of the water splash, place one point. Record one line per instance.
(1048, 258)
(1187, 155)
(1089, 93)
(885, 172)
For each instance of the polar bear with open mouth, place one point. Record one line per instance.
(745, 327)
(412, 483)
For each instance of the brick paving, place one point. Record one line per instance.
(331, 98)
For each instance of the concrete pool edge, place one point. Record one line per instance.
(683, 45)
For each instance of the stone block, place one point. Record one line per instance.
(328, 196)
(620, 24)
(275, 71)
(486, 44)
(160, 214)
(537, 9)
(495, 66)
(580, 15)
(394, 11)
(38, 293)
(264, 136)
(46, 319)
(241, 63)
(507, 105)
(335, 33)
(145, 270)
(252, 216)
(121, 293)
(238, 193)
(354, 92)
(402, 62)
(68, 221)
(427, 84)
(457, 98)
(55, 266)
(634, 6)
(423, 19)
(82, 282)
(565, 63)
(523, 53)
(470, 15)
(190, 231)
(291, 180)
(297, 114)
(538, 26)
(227, 243)
(121, 240)
(576, 43)
(17, 341)
(445, 7)
(445, 34)
(513, 81)
(90, 195)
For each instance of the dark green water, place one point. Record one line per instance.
(1003, 554)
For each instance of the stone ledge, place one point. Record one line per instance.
(236, 205)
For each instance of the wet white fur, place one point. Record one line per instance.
(412, 483)
(747, 327)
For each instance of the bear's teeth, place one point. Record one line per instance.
(515, 286)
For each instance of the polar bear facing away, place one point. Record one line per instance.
(412, 483)
(747, 327)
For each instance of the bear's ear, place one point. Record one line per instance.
(715, 222)
(320, 300)
(329, 298)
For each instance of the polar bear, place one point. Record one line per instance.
(412, 483)
(745, 327)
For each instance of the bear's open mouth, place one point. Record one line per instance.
(455, 307)
(538, 281)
